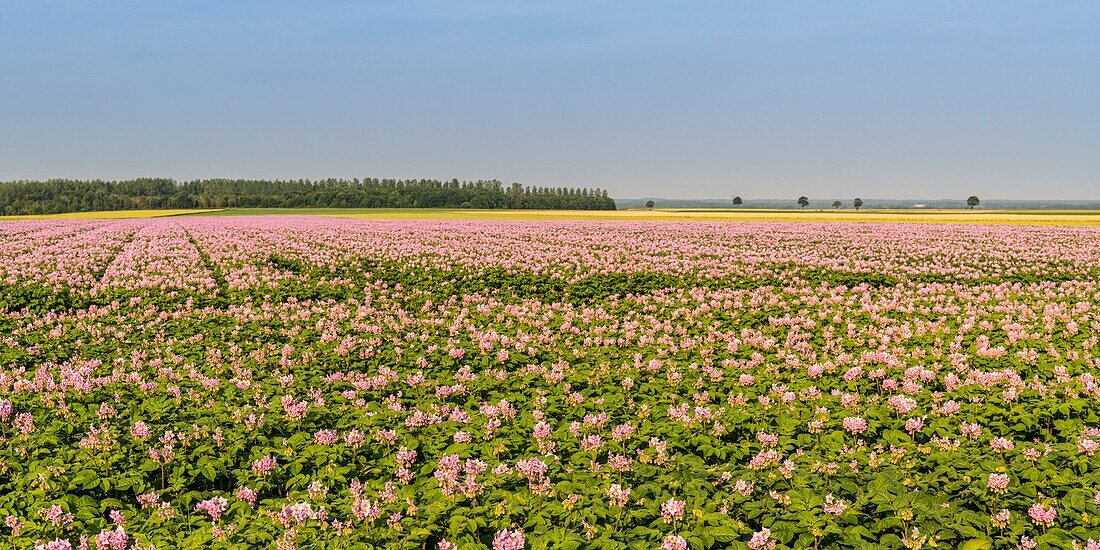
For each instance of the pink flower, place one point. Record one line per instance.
(1042, 515)
(509, 540)
(834, 506)
(618, 495)
(247, 495)
(1087, 446)
(55, 516)
(114, 539)
(140, 431)
(622, 432)
(972, 430)
(673, 509)
(591, 443)
(855, 424)
(388, 437)
(949, 408)
(618, 462)
(317, 490)
(998, 483)
(448, 471)
(364, 509)
(297, 514)
(326, 437)
(24, 423)
(354, 439)
(294, 410)
(15, 524)
(767, 439)
(56, 544)
(902, 404)
(264, 466)
(761, 540)
(213, 507)
(148, 500)
(405, 456)
(743, 488)
(914, 425)
(674, 542)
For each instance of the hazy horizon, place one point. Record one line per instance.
(687, 100)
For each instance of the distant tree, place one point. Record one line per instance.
(737, 201)
(803, 202)
(650, 204)
(836, 204)
(857, 203)
(973, 201)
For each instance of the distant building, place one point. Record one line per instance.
(919, 205)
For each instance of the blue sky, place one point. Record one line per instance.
(674, 99)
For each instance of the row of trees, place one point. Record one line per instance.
(803, 201)
(858, 202)
(61, 195)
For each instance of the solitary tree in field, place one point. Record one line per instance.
(650, 204)
(737, 201)
(803, 202)
(836, 204)
(973, 201)
(857, 203)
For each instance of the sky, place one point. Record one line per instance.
(677, 99)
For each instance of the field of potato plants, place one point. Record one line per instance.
(329, 383)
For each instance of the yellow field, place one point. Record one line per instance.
(1006, 217)
(111, 215)
(994, 217)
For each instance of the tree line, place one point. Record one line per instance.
(804, 201)
(64, 195)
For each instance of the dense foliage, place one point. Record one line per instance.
(58, 195)
(336, 383)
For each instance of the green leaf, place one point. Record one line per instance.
(977, 544)
(722, 534)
